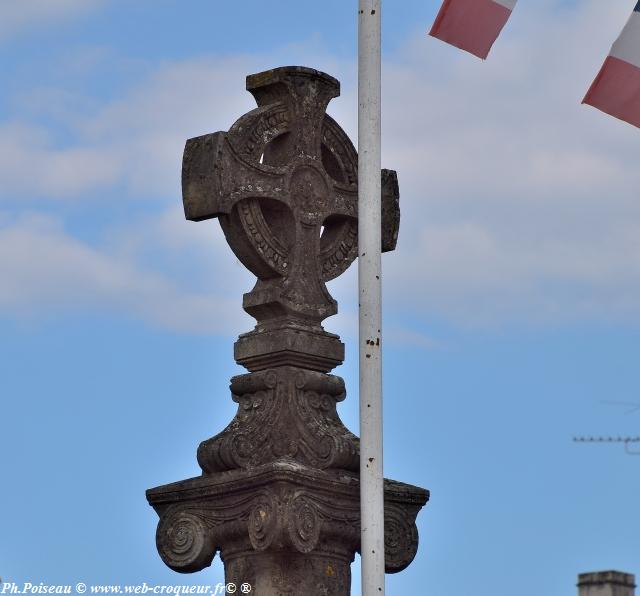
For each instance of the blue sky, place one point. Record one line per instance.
(511, 304)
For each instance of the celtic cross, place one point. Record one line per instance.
(283, 183)
(279, 492)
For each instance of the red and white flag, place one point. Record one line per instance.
(472, 25)
(616, 89)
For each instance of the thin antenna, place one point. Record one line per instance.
(625, 440)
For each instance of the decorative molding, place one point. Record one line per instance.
(283, 413)
(185, 541)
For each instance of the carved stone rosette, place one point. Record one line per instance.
(279, 493)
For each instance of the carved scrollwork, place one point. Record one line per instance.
(185, 541)
(400, 539)
(304, 524)
(288, 413)
(270, 379)
(246, 440)
(324, 440)
(263, 521)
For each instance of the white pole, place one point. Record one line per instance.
(369, 294)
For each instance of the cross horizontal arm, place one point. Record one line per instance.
(344, 201)
(215, 177)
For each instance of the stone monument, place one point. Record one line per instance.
(279, 493)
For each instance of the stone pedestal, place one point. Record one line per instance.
(279, 495)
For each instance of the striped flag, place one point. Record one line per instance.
(616, 89)
(472, 25)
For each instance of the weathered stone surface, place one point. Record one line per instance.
(284, 412)
(279, 495)
(284, 507)
(283, 183)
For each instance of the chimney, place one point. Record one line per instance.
(606, 583)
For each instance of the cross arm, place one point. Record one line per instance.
(215, 177)
(344, 202)
(201, 176)
(390, 210)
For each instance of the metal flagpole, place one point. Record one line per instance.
(369, 298)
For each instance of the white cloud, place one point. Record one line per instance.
(135, 142)
(31, 167)
(46, 272)
(18, 15)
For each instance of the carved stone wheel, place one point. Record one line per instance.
(267, 227)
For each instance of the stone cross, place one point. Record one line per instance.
(283, 182)
(279, 492)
